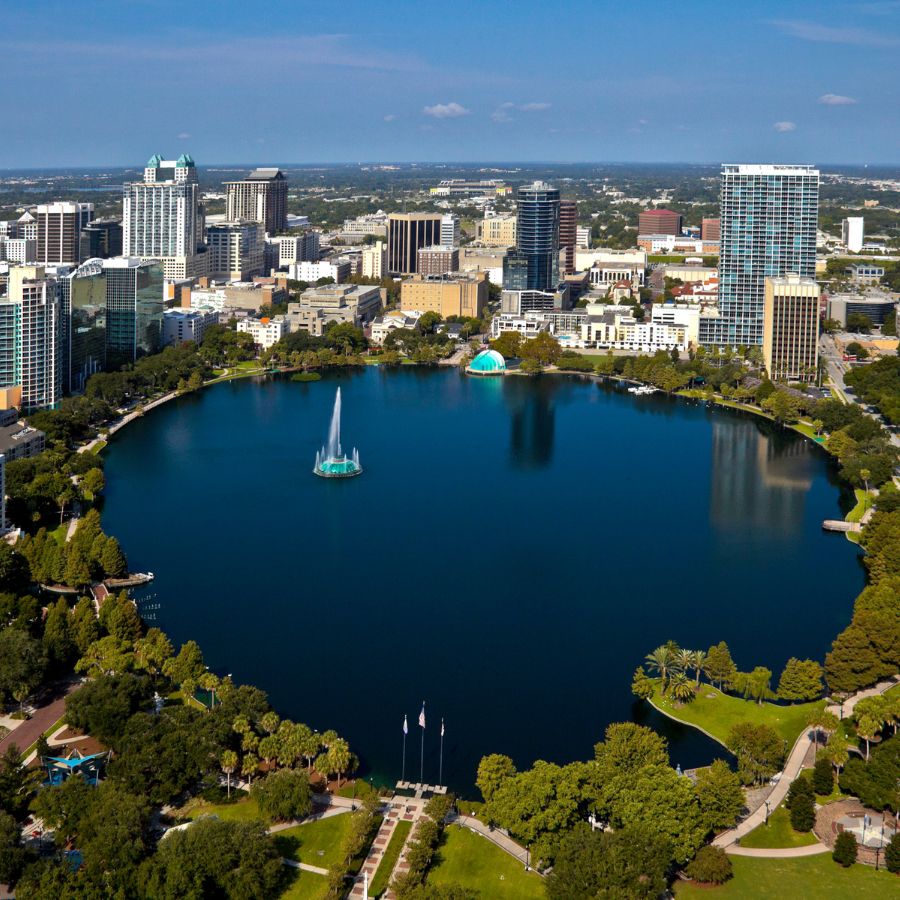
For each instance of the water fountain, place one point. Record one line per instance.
(331, 461)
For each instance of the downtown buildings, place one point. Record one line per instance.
(534, 264)
(260, 197)
(791, 328)
(407, 233)
(59, 227)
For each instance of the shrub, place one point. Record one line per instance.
(283, 795)
(711, 865)
(823, 777)
(845, 849)
(800, 788)
(306, 376)
(892, 854)
(803, 813)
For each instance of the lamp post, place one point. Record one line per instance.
(527, 852)
(767, 812)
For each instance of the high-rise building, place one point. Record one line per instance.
(82, 301)
(710, 230)
(236, 250)
(374, 260)
(438, 260)
(534, 264)
(791, 328)
(101, 239)
(568, 232)
(163, 218)
(769, 216)
(30, 338)
(449, 230)
(26, 227)
(59, 232)
(135, 293)
(852, 233)
(660, 221)
(260, 197)
(407, 232)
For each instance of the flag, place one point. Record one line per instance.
(442, 727)
(422, 716)
(405, 726)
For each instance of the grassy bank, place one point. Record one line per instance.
(316, 843)
(778, 833)
(717, 713)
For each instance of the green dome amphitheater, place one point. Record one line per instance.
(488, 362)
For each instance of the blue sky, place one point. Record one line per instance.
(109, 83)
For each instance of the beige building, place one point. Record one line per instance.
(374, 260)
(236, 250)
(791, 328)
(450, 295)
(497, 231)
(260, 197)
(59, 231)
(357, 304)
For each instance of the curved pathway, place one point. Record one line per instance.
(792, 769)
(497, 836)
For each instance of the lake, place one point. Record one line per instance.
(511, 552)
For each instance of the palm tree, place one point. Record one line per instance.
(698, 664)
(240, 725)
(311, 744)
(249, 766)
(684, 659)
(210, 682)
(822, 720)
(250, 742)
(268, 749)
(682, 687)
(865, 474)
(867, 727)
(228, 761)
(662, 660)
(339, 758)
(836, 751)
(270, 722)
(323, 765)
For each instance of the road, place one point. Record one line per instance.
(52, 710)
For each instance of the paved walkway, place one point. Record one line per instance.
(778, 852)
(792, 769)
(498, 836)
(31, 729)
(305, 867)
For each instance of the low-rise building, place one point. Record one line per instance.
(383, 325)
(866, 273)
(265, 332)
(356, 304)
(229, 297)
(496, 231)
(439, 259)
(295, 248)
(518, 303)
(18, 440)
(311, 272)
(455, 294)
(876, 306)
(670, 243)
(180, 325)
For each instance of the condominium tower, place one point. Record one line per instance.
(568, 233)
(260, 197)
(59, 228)
(768, 221)
(534, 264)
(163, 218)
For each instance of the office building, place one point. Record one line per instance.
(30, 363)
(852, 233)
(236, 250)
(865, 273)
(266, 332)
(294, 248)
(534, 264)
(449, 230)
(450, 295)
(135, 292)
(660, 221)
(877, 307)
(355, 304)
(497, 231)
(438, 260)
(374, 260)
(517, 303)
(163, 218)
(710, 230)
(19, 251)
(101, 239)
(311, 272)
(260, 197)
(59, 228)
(180, 325)
(374, 224)
(26, 227)
(768, 215)
(82, 301)
(406, 234)
(568, 233)
(791, 328)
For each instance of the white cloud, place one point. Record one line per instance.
(837, 100)
(183, 136)
(785, 126)
(446, 111)
(501, 115)
(828, 34)
(390, 117)
(534, 107)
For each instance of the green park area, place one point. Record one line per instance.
(778, 833)
(244, 810)
(717, 713)
(316, 843)
(305, 886)
(810, 877)
(472, 861)
(389, 860)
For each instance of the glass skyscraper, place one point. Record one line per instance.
(769, 216)
(83, 305)
(534, 264)
(134, 309)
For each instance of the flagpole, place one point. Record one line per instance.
(403, 769)
(441, 763)
(422, 749)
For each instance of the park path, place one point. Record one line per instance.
(792, 769)
(496, 836)
(44, 716)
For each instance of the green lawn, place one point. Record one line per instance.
(305, 886)
(810, 877)
(243, 811)
(778, 833)
(716, 713)
(59, 533)
(470, 860)
(316, 843)
(863, 502)
(389, 860)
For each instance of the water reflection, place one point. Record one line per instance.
(759, 476)
(532, 420)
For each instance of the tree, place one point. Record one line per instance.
(891, 854)
(698, 664)
(859, 323)
(228, 761)
(783, 406)
(339, 758)
(108, 656)
(627, 748)
(681, 687)
(803, 812)
(270, 722)
(186, 666)
(755, 684)
(641, 686)
(845, 849)
(85, 629)
(823, 777)
(104, 706)
(152, 651)
(867, 727)
(249, 766)
(543, 348)
(720, 796)
(711, 865)
(59, 646)
(112, 560)
(62, 807)
(800, 680)
(283, 795)
(508, 344)
(93, 482)
(630, 863)
(493, 770)
(22, 663)
(12, 853)
(78, 570)
(663, 661)
(822, 720)
(759, 750)
(836, 751)
(720, 667)
(120, 618)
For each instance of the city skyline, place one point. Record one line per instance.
(376, 84)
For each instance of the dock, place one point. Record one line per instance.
(841, 525)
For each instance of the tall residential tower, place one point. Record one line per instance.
(260, 197)
(534, 264)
